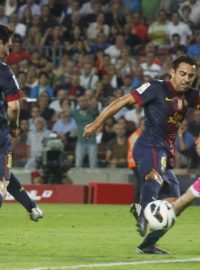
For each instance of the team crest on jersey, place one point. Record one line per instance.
(143, 87)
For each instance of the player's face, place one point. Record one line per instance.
(183, 76)
(4, 48)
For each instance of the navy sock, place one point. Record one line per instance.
(17, 191)
(1, 200)
(151, 239)
(149, 192)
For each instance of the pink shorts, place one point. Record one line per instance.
(195, 188)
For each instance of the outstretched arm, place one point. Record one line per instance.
(114, 107)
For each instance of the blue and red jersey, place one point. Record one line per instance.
(9, 91)
(165, 109)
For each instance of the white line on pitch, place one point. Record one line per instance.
(112, 264)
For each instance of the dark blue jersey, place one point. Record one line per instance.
(9, 91)
(165, 109)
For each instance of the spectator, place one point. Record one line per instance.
(3, 17)
(10, 7)
(35, 113)
(175, 26)
(65, 125)
(47, 113)
(88, 79)
(138, 27)
(195, 11)
(53, 36)
(22, 81)
(47, 19)
(84, 115)
(32, 76)
(35, 8)
(43, 86)
(97, 27)
(117, 149)
(74, 89)
(115, 50)
(17, 54)
(194, 48)
(157, 29)
(56, 104)
(194, 123)
(35, 142)
(134, 115)
(106, 132)
(184, 146)
(99, 44)
(149, 67)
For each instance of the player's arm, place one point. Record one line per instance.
(113, 108)
(13, 111)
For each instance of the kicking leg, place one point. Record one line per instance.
(149, 192)
(17, 191)
(192, 193)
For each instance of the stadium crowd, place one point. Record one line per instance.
(72, 58)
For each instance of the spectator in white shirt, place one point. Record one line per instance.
(35, 8)
(178, 27)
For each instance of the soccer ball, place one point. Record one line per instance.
(159, 215)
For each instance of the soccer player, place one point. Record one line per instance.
(165, 105)
(9, 122)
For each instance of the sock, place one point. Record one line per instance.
(1, 200)
(152, 238)
(149, 192)
(17, 191)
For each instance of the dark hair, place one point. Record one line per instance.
(184, 59)
(5, 33)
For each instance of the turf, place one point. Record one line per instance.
(71, 236)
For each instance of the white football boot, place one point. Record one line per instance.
(36, 214)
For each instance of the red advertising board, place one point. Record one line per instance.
(55, 193)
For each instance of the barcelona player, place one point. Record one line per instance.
(9, 122)
(165, 105)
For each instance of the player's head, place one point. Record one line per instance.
(184, 70)
(5, 40)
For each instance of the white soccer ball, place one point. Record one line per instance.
(160, 215)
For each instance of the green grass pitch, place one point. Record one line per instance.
(95, 237)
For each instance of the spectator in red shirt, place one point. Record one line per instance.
(138, 28)
(18, 53)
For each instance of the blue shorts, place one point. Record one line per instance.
(148, 158)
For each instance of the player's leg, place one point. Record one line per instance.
(150, 164)
(170, 192)
(17, 191)
(192, 193)
(5, 163)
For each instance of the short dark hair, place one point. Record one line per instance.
(184, 59)
(5, 33)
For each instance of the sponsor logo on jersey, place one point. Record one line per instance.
(143, 87)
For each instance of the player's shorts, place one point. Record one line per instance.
(156, 158)
(195, 188)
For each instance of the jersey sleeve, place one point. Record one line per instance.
(145, 93)
(9, 85)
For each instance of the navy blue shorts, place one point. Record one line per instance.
(148, 158)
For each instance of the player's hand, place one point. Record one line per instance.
(89, 130)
